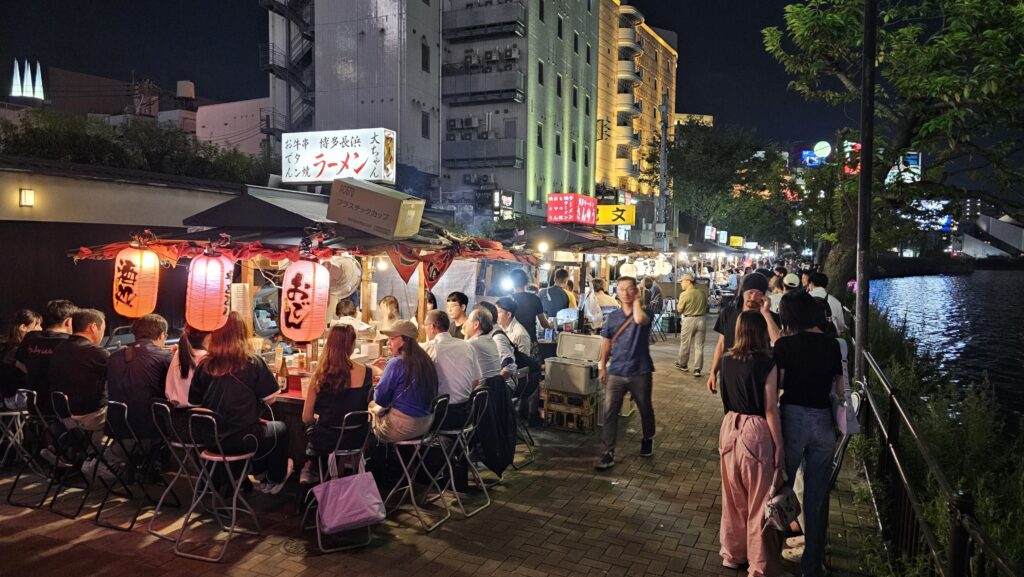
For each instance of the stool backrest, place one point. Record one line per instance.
(438, 413)
(477, 410)
(61, 407)
(162, 421)
(202, 428)
(350, 425)
(25, 399)
(117, 422)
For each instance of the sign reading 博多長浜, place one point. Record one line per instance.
(572, 207)
(364, 154)
(616, 214)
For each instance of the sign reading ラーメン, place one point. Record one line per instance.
(321, 157)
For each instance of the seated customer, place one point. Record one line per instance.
(477, 330)
(506, 350)
(457, 369)
(78, 368)
(36, 350)
(232, 382)
(191, 350)
(135, 373)
(12, 377)
(407, 387)
(338, 387)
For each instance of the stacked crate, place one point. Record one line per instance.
(572, 395)
(571, 412)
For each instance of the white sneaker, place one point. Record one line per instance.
(307, 477)
(274, 488)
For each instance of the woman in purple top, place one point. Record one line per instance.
(408, 385)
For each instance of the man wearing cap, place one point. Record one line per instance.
(749, 298)
(692, 306)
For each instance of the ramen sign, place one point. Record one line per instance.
(321, 157)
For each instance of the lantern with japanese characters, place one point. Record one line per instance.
(304, 296)
(136, 280)
(208, 293)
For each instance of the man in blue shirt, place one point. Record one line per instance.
(626, 365)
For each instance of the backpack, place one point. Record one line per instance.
(829, 327)
(522, 359)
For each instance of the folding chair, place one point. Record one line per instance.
(410, 468)
(522, 427)
(656, 332)
(203, 426)
(337, 461)
(138, 466)
(460, 440)
(35, 428)
(187, 460)
(12, 434)
(76, 446)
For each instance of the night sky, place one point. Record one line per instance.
(723, 68)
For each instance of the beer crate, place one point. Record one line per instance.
(570, 411)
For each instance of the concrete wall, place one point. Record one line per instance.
(1008, 232)
(233, 124)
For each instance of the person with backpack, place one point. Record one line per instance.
(557, 296)
(817, 285)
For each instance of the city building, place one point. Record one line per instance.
(637, 75)
(359, 64)
(234, 124)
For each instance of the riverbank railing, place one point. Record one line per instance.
(968, 551)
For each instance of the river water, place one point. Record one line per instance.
(973, 324)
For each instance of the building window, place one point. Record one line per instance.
(586, 156)
(425, 56)
(572, 151)
(586, 105)
(540, 73)
(588, 6)
(540, 136)
(540, 10)
(588, 53)
(576, 42)
(558, 85)
(575, 97)
(559, 26)
(558, 144)
(425, 124)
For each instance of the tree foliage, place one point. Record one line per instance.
(139, 145)
(950, 85)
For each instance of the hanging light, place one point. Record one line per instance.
(304, 296)
(627, 270)
(208, 292)
(543, 246)
(136, 281)
(382, 264)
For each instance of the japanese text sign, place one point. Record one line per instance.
(616, 214)
(572, 207)
(364, 154)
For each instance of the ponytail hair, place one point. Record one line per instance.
(191, 339)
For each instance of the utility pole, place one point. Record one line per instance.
(661, 205)
(867, 161)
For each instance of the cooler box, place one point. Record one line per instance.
(575, 369)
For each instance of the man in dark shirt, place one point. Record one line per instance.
(136, 373)
(626, 365)
(79, 370)
(529, 310)
(36, 351)
(556, 296)
(751, 297)
(456, 306)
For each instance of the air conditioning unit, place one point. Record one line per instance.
(435, 182)
(454, 123)
(451, 136)
(488, 69)
(467, 136)
(467, 178)
(489, 56)
(484, 135)
(510, 66)
(474, 60)
(512, 53)
(486, 178)
(471, 122)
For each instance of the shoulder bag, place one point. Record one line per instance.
(348, 503)
(781, 508)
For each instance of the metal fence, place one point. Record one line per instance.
(968, 550)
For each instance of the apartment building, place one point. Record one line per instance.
(637, 68)
(519, 85)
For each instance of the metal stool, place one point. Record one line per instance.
(187, 461)
(12, 432)
(438, 411)
(35, 428)
(138, 466)
(351, 423)
(75, 446)
(203, 425)
(462, 440)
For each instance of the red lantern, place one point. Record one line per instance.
(136, 280)
(304, 296)
(208, 293)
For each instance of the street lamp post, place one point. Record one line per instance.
(867, 149)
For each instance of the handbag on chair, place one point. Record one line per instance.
(781, 508)
(350, 502)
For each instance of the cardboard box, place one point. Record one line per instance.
(375, 209)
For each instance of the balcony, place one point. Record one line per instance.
(627, 166)
(628, 41)
(628, 104)
(509, 152)
(626, 135)
(295, 11)
(476, 88)
(275, 61)
(629, 71)
(630, 16)
(487, 21)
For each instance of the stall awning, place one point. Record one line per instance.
(704, 246)
(583, 240)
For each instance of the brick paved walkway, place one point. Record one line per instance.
(656, 516)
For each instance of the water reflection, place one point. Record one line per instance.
(973, 324)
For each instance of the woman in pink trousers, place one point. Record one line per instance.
(750, 444)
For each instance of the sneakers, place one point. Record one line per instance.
(646, 447)
(271, 488)
(696, 373)
(681, 367)
(607, 461)
(306, 476)
(731, 564)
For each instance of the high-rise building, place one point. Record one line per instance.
(519, 92)
(637, 70)
(360, 64)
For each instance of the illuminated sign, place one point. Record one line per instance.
(849, 150)
(908, 169)
(616, 214)
(503, 205)
(736, 241)
(321, 157)
(723, 236)
(710, 232)
(572, 207)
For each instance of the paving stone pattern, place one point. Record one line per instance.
(654, 516)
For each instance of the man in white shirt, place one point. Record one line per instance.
(457, 368)
(477, 329)
(816, 285)
(514, 329)
(506, 352)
